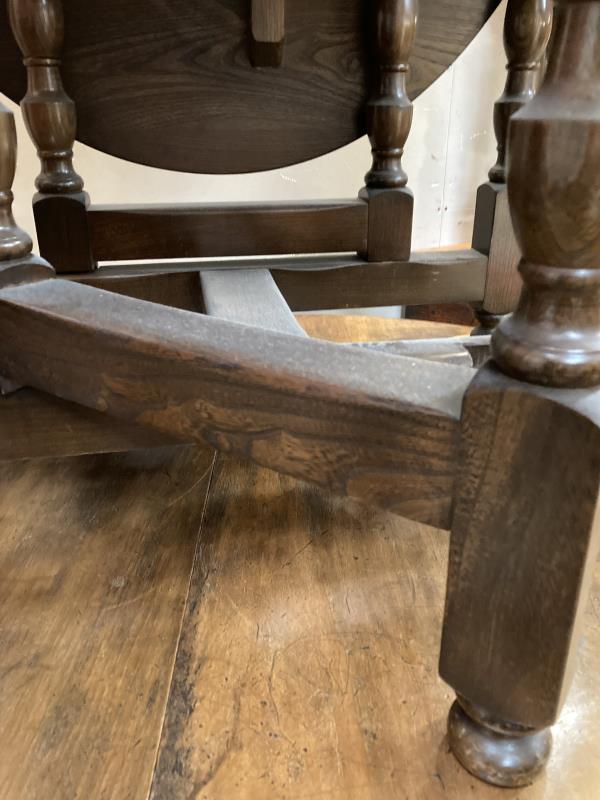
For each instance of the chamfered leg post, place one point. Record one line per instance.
(526, 527)
(527, 26)
(60, 205)
(389, 117)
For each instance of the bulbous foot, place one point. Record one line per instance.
(496, 752)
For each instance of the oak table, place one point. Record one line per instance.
(178, 627)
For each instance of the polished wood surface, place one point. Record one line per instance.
(60, 206)
(268, 32)
(178, 75)
(494, 236)
(50, 116)
(553, 337)
(14, 242)
(421, 439)
(389, 111)
(34, 424)
(527, 26)
(95, 568)
(526, 523)
(226, 229)
(313, 283)
(306, 662)
(525, 536)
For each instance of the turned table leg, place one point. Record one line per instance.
(16, 260)
(389, 118)
(60, 205)
(526, 527)
(526, 32)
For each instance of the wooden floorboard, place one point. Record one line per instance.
(308, 660)
(95, 559)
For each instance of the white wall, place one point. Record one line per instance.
(450, 149)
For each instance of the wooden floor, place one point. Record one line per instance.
(177, 627)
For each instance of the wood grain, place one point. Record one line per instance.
(368, 425)
(182, 74)
(525, 535)
(34, 424)
(553, 337)
(359, 328)
(14, 242)
(344, 664)
(221, 229)
(50, 116)
(95, 557)
(493, 235)
(314, 283)
(301, 651)
(393, 26)
(307, 665)
(37, 425)
(51, 119)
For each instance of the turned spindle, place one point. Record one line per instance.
(389, 117)
(17, 263)
(553, 337)
(60, 205)
(527, 27)
(49, 112)
(14, 242)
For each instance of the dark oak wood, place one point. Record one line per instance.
(221, 229)
(60, 205)
(176, 289)
(367, 425)
(427, 278)
(14, 242)
(525, 534)
(268, 32)
(526, 525)
(554, 335)
(385, 429)
(178, 74)
(389, 117)
(358, 328)
(493, 235)
(309, 284)
(38, 27)
(17, 263)
(34, 424)
(527, 26)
